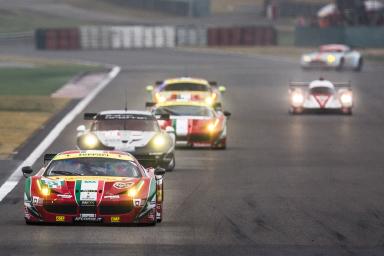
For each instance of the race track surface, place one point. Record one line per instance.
(286, 185)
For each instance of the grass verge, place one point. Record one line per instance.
(25, 101)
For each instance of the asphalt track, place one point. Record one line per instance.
(287, 185)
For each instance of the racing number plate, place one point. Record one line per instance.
(182, 127)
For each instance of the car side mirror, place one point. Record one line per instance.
(81, 128)
(227, 114)
(170, 129)
(159, 171)
(27, 170)
(222, 88)
(149, 88)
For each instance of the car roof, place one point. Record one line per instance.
(334, 47)
(186, 79)
(129, 112)
(321, 83)
(183, 103)
(94, 154)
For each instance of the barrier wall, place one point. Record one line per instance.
(234, 36)
(130, 37)
(353, 36)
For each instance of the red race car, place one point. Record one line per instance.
(93, 186)
(196, 124)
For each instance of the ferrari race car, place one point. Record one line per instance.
(93, 186)
(333, 56)
(185, 89)
(320, 96)
(135, 132)
(196, 124)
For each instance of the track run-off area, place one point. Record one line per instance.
(286, 185)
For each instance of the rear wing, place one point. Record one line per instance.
(306, 84)
(48, 158)
(89, 116)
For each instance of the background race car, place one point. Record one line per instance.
(185, 89)
(196, 124)
(320, 96)
(333, 56)
(136, 132)
(93, 186)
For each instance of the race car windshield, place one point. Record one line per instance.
(88, 166)
(185, 87)
(181, 110)
(148, 125)
(322, 90)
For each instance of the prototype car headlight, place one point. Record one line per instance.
(306, 58)
(90, 141)
(331, 59)
(346, 99)
(297, 99)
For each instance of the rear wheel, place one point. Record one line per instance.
(359, 66)
(341, 65)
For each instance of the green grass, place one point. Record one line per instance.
(36, 81)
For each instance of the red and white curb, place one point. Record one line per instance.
(15, 177)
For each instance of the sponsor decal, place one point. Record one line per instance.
(90, 219)
(137, 202)
(93, 155)
(122, 185)
(66, 196)
(115, 219)
(201, 145)
(88, 203)
(60, 218)
(112, 197)
(37, 201)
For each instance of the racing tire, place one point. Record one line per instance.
(341, 65)
(171, 165)
(293, 111)
(221, 146)
(347, 112)
(359, 66)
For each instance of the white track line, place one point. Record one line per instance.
(15, 177)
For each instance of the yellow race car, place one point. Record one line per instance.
(185, 89)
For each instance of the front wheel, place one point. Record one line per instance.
(171, 165)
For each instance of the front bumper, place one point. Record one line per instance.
(154, 159)
(121, 212)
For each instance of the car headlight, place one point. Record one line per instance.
(160, 98)
(132, 192)
(306, 58)
(159, 142)
(297, 99)
(331, 59)
(209, 100)
(346, 99)
(212, 126)
(90, 141)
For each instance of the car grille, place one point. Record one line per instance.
(121, 208)
(61, 208)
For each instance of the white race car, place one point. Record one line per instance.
(333, 56)
(135, 132)
(320, 96)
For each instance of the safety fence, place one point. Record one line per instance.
(353, 36)
(128, 37)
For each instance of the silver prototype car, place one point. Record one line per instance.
(135, 132)
(333, 56)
